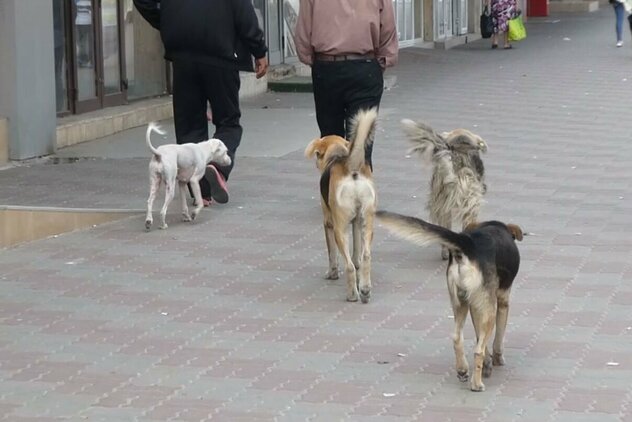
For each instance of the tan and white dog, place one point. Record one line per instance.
(348, 197)
(184, 163)
(483, 262)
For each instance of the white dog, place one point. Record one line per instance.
(185, 163)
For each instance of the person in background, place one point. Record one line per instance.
(502, 11)
(208, 43)
(621, 7)
(348, 44)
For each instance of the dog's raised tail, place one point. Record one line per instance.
(153, 127)
(422, 233)
(425, 140)
(361, 135)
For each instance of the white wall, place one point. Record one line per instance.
(27, 77)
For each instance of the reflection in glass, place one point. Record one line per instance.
(84, 47)
(145, 68)
(61, 61)
(290, 17)
(110, 39)
(274, 38)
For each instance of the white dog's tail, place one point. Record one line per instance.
(361, 135)
(426, 141)
(153, 127)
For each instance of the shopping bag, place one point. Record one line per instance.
(487, 24)
(516, 29)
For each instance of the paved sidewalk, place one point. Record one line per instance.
(229, 318)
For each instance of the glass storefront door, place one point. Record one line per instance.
(97, 54)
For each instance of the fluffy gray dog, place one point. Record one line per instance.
(457, 186)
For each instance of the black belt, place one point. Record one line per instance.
(343, 57)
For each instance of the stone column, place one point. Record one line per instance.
(27, 77)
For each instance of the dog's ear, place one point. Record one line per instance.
(311, 148)
(471, 226)
(515, 231)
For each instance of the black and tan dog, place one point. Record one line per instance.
(348, 197)
(483, 262)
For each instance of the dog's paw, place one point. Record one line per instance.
(463, 375)
(164, 226)
(186, 217)
(332, 274)
(148, 224)
(352, 297)
(487, 367)
(477, 386)
(365, 295)
(498, 359)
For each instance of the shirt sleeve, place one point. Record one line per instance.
(388, 51)
(303, 33)
(248, 29)
(150, 10)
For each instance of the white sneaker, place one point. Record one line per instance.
(619, 43)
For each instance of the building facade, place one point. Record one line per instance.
(86, 55)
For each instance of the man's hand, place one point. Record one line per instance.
(261, 67)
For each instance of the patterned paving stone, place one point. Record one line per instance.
(230, 318)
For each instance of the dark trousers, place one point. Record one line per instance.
(341, 89)
(195, 85)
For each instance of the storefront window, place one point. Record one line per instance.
(145, 66)
(61, 61)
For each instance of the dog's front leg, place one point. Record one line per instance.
(343, 247)
(332, 274)
(183, 201)
(197, 194)
(442, 218)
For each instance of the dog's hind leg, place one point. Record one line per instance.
(154, 184)
(501, 324)
(183, 201)
(366, 234)
(169, 194)
(332, 274)
(460, 314)
(356, 233)
(483, 316)
(343, 247)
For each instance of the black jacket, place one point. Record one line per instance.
(225, 33)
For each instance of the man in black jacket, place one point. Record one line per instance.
(208, 42)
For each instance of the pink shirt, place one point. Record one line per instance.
(347, 27)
